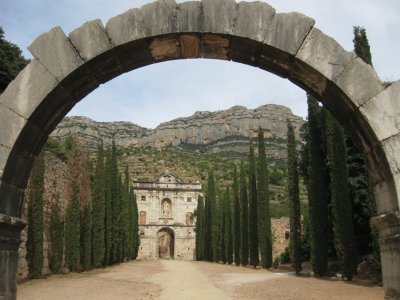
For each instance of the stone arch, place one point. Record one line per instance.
(67, 68)
(165, 243)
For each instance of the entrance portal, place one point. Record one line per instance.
(165, 243)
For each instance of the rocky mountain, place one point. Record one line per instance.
(225, 131)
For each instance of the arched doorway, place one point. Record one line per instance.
(165, 243)
(65, 69)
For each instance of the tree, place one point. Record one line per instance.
(244, 206)
(34, 243)
(86, 236)
(72, 229)
(56, 236)
(208, 234)
(11, 61)
(263, 214)
(199, 214)
(108, 225)
(126, 216)
(211, 194)
(222, 230)
(361, 44)
(317, 193)
(136, 236)
(98, 211)
(228, 227)
(343, 225)
(236, 218)
(253, 228)
(294, 200)
(115, 187)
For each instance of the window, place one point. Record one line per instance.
(143, 198)
(189, 199)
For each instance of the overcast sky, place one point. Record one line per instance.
(161, 92)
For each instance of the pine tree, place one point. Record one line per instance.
(200, 229)
(108, 210)
(253, 228)
(343, 225)
(317, 193)
(228, 227)
(98, 212)
(244, 206)
(72, 229)
(361, 44)
(56, 237)
(263, 214)
(34, 243)
(236, 219)
(294, 200)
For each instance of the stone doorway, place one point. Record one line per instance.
(165, 243)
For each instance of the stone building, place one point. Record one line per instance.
(165, 210)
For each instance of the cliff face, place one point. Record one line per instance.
(220, 131)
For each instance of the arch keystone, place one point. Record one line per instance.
(190, 17)
(219, 16)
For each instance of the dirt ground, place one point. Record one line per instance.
(169, 279)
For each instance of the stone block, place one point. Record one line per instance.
(11, 125)
(11, 199)
(190, 17)
(219, 16)
(90, 39)
(190, 46)
(165, 48)
(56, 53)
(288, 31)
(383, 112)
(134, 55)
(215, 47)
(245, 51)
(384, 192)
(322, 55)
(253, 19)
(159, 17)
(4, 154)
(18, 169)
(8, 271)
(391, 148)
(126, 27)
(28, 89)
(359, 82)
(390, 259)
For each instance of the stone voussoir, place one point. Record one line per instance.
(359, 82)
(379, 112)
(90, 39)
(55, 51)
(391, 147)
(159, 17)
(219, 16)
(190, 17)
(260, 14)
(11, 125)
(4, 154)
(25, 93)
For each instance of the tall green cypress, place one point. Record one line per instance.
(343, 224)
(135, 212)
(361, 44)
(72, 230)
(211, 194)
(294, 200)
(86, 236)
(222, 229)
(236, 218)
(200, 229)
(34, 243)
(244, 206)
(263, 214)
(253, 228)
(56, 237)
(116, 207)
(98, 211)
(125, 216)
(317, 193)
(228, 227)
(108, 225)
(130, 217)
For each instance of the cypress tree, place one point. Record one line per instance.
(136, 236)
(317, 194)
(72, 230)
(222, 229)
(211, 194)
(130, 218)
(34, 243)
(343, 225)
(86, 236)
(244, 206)
(361, 44)
(98, 211)
(56, 237)
(294, 200)
(125, 216)
(253, 228)
(236, 218)
(108, 210)
(263, 214)
(200, 229)
(228, 227)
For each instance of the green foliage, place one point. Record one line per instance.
(244, 207)
(108, 209)
(236, 218)
(86, 237)
(276, 177)
(34, 243)
(11, 61)
(98, 211)
(136, 237)
(115, 187)
(208, 233)
(253, 228)
(56, 148)
(263, 211)
(343, 225)
(317, 191)
(200, 226)
(361, 44)
(294, 201)
(72, 229)
(211, 195)
(56, 237)
(222, 230)
(228, 235)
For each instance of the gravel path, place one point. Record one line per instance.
(169, 279)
